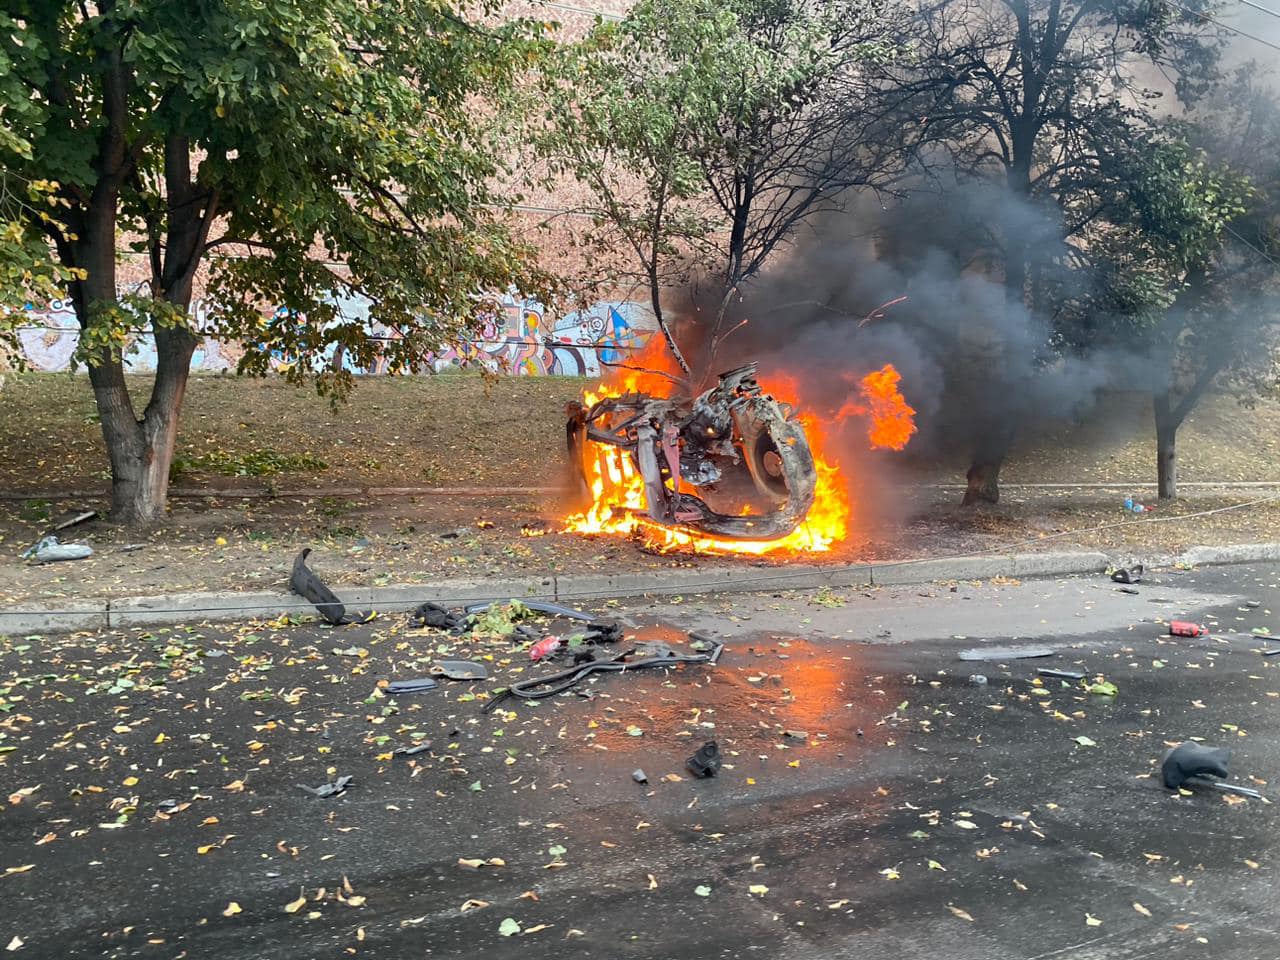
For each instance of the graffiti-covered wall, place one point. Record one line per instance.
(519, 339)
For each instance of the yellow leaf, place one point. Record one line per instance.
(653, 882)
(232, 909)
(160, 738)
(206, 848)
(890, 873)
(130, 781)
(1141, 909)
(208, 821)
(356, 901)
(962, 914)
(296, 905)
(473, 905)
(1091, 920)
(235, 786)
(1252, 865)
(759, 889)
(23, 869)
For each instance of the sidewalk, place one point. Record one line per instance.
(231, 559)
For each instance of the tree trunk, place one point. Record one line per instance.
(984, 482)
(140, 450)
(1166, 447)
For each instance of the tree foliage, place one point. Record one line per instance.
(706, 131)
(298, 152)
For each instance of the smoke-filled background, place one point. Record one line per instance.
(917, 277)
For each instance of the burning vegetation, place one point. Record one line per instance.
(735, 467)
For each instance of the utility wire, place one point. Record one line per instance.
(773, 578)
(1258, 250)
(1224, 26)
(602, 14)
(1258, 6)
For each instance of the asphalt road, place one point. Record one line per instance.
(874, 801)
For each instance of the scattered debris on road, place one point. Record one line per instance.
(1192, 760)
(639, 776)
(1006, 653)
(593, 660)
(1128, 574)
(706, 762)
(433, 615)
(325, 790)
(418, 685)
(460, 670)
(1061, 674)
(1184, 628)
(306, 584)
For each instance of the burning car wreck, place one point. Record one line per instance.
(735, 445)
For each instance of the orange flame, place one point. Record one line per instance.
(892, 418)
(617, 504)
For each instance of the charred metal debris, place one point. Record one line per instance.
(731, 442)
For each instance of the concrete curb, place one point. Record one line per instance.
(136, 612)
(1237, 553)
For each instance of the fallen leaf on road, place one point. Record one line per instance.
(962, 914)
(890, 873)
(15, 944)
(1252, 865)
(759, 889)
(935, 865)
(653, 882)
(1141, 909)
(509, 927)
(541, 926)
(232, 909)
(966, 825)
(837, 904)
(296, 905)
(1084, 742)
(1092, 920)
(8, 871)
(473, 905)
(702, 891)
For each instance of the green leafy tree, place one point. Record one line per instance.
(301, 152)
(1036, 95)
(1194, 257)
(707, 131)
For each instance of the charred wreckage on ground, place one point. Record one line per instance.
(734, 444)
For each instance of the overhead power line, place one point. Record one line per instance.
(1227, 26)
(1257, 6)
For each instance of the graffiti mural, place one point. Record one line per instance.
(518, 338)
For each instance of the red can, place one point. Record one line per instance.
(544, 648)
(1184, 628)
